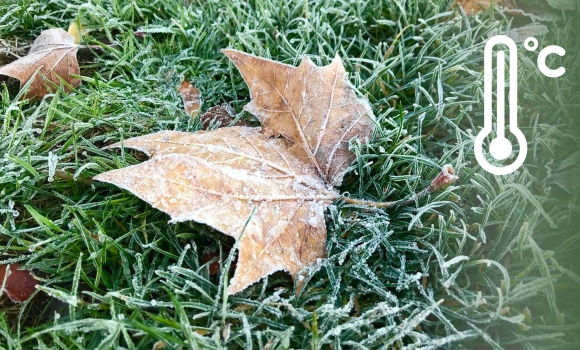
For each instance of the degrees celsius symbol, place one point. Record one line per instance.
(500, 147)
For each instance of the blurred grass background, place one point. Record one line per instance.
(491, 262)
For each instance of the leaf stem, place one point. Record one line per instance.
(445, 178)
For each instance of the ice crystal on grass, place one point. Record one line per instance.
(52, 163)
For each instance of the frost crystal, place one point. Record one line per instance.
(52, 162)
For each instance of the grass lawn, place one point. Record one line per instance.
(491, 262)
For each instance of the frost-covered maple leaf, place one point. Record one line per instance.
(268, 193)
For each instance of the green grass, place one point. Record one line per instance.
(490, 262)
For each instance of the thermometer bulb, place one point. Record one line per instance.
(500, 148)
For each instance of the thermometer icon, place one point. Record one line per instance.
(500, 148)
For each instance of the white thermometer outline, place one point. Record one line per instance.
(500, 147)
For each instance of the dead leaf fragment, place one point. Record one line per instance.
(477, 6)
(159, 345)
(214, 268)
(191, 98)
(313, 106)
(53, 53)
(445, 178)
(75, 32)
(139, 34)
(221, 115)
(227, 331)
(20, 284)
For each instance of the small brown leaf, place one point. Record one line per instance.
(313, 106)
(191, 98)
(53, 53)
(20, 284)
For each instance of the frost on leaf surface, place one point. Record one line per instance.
(218, 177)
(221, 177)
(313, 106)
(53, 54)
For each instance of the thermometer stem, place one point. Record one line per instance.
(501, 95)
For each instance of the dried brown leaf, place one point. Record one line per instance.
(313, 106)
(191, 98)
(219, 177)
(19, 285)
(53, 53)
(268, 193)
